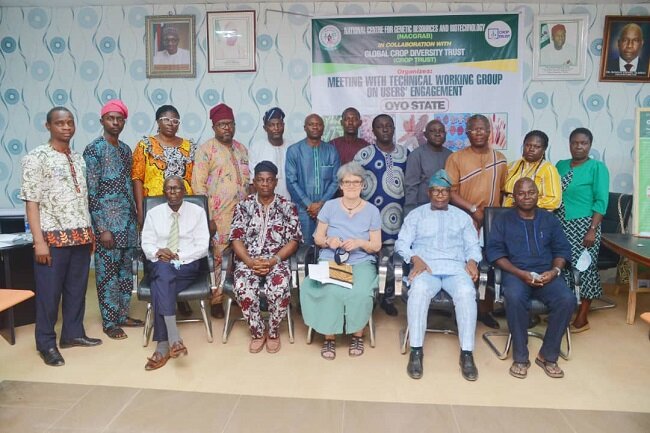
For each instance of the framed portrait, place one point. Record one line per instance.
(560, 47)
(171, 46)
(625, 57)
(231, 41)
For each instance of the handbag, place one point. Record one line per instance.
(623, 266)
(342, 272)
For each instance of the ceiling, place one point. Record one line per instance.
(67, 3)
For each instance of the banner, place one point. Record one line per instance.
(419, 68)
(641, 199)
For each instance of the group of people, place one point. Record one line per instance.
(350, 198)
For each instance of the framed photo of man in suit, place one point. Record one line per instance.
(560, 47)
(626, 49)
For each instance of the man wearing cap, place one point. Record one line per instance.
(221, 173)
(112, 208)
(558, 52)
(274, 149)
(440, 243)
(265, 232)
(171, 54)
(311, 174)
(349, 143)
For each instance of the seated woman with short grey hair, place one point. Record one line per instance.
(348, 227)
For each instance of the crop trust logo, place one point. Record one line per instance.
(329, 37)
(498, 34)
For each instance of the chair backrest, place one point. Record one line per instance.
(489, 215)
(611, 220)
(199, 200)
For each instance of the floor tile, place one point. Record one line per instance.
(158, 411)
(473, 419)
(589, 421)
(97, 409)
(14, 419)
(286, 415)
(395, 417)
(39, 394)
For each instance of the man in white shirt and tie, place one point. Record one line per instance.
(630, 58)
(175, 236)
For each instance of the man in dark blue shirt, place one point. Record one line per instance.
(529, 246)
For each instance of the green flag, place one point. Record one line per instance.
(545, 36)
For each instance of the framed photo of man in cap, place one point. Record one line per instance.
(560, 47)
(171, 46)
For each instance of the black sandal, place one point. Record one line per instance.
(116, 333)
(328, 351)
(130, 322)
(356, 347)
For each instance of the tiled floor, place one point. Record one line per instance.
(30, 407)
(221, 387)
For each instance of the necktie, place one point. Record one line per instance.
(628, 67)
(172, 242)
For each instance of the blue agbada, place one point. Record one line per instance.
(311, 177)
(530, 245)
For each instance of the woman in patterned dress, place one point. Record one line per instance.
(159, 156)
(585, 192)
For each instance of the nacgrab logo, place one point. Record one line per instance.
(329, 37)
(498, 34)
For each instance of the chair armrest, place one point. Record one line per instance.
(383, 259)
(484, 268)
(497, 285)
(135, 267)
(398, 272)
(577, 283)
(303, 255)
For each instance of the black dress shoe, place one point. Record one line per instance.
(52, 357)
(414, 368)
(184, 308)
(216, 310)
(389, 308)
(467, 367)
(84, 341)
(488, 320)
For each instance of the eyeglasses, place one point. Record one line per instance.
(477, 130)
(263, 181)
(351, 182)
(436, 191)
(169, 120)
(224, 125)
(173, 189)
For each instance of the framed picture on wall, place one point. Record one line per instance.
(171, 46)
(625, 57)
(231, 41)
(560, 47)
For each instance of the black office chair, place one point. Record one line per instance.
(200, 290)
(536, 306)
(310, 256)
(227, 278)
(615, 220)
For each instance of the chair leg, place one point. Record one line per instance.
(371, 328)
(148, 326)
(310, 333)
(207, 321)
(566, 355)
(500, 354)
(404, 338)
(227, 326)
(290, 324)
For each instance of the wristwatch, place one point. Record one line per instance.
(473, 209)
(558, 270)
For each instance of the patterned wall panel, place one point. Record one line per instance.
(81, 57)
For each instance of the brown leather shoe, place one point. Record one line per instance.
(216, 310)
(273, 344)
(178, 349)
(156, 361)
(257, 344)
